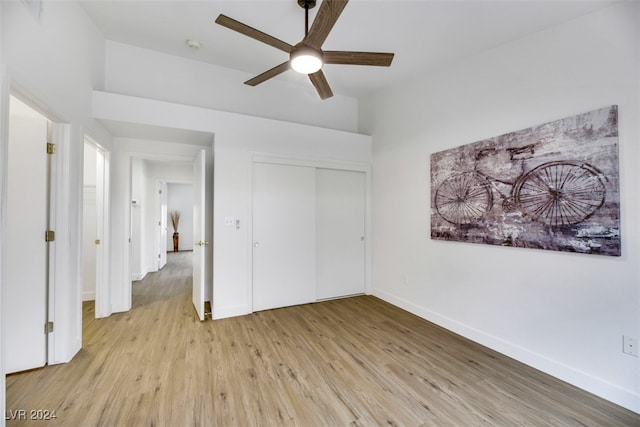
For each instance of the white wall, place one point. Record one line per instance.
(563, 313)
(55, 63)
(171, 171)
(237, 139)
(180, 198)
(145, 73)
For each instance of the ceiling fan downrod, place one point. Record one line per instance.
(306, 5)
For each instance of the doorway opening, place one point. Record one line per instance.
(158, 188)
(161, 189)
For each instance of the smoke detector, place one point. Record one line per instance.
(193, 44)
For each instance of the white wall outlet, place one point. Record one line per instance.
(630, 345)
(229, 221)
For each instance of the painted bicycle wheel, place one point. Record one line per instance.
(464, 198)
(560, 193)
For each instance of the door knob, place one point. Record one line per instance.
(256, 244)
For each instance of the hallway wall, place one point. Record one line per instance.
(180, 198)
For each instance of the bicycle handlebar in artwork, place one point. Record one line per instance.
(557, 184)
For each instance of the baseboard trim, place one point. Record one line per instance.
(625, 398)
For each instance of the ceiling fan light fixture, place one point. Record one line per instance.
(306, 60)
(307, 57)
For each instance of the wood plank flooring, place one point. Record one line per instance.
(356, 361)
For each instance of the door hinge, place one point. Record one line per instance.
(51, 148)
(158, 256)
(49, 236)
(48, 327)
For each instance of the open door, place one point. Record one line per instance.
(26, 274)
(102, 306)
(199, 248)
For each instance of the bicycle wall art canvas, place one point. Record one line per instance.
(552, 186)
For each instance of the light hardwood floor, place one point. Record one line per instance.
(356, 361)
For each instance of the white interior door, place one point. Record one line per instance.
(93, 223)
(199, 248)
(162, 224)
(26, 255)
(89, 239)
(340, 232)
(283, 235)
(102, 290)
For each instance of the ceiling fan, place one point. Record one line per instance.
(307, 56)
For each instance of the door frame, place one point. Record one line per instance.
(125, 303)
(259, 157)
(29, 145)
(65, 302)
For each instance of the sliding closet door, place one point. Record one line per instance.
(283, 235)
(340, 233)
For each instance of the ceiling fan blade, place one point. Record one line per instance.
(248, 31)
(378, 59)
(324, 21)
(279, 69)
(320, 83)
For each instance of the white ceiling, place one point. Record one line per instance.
(423, 34)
